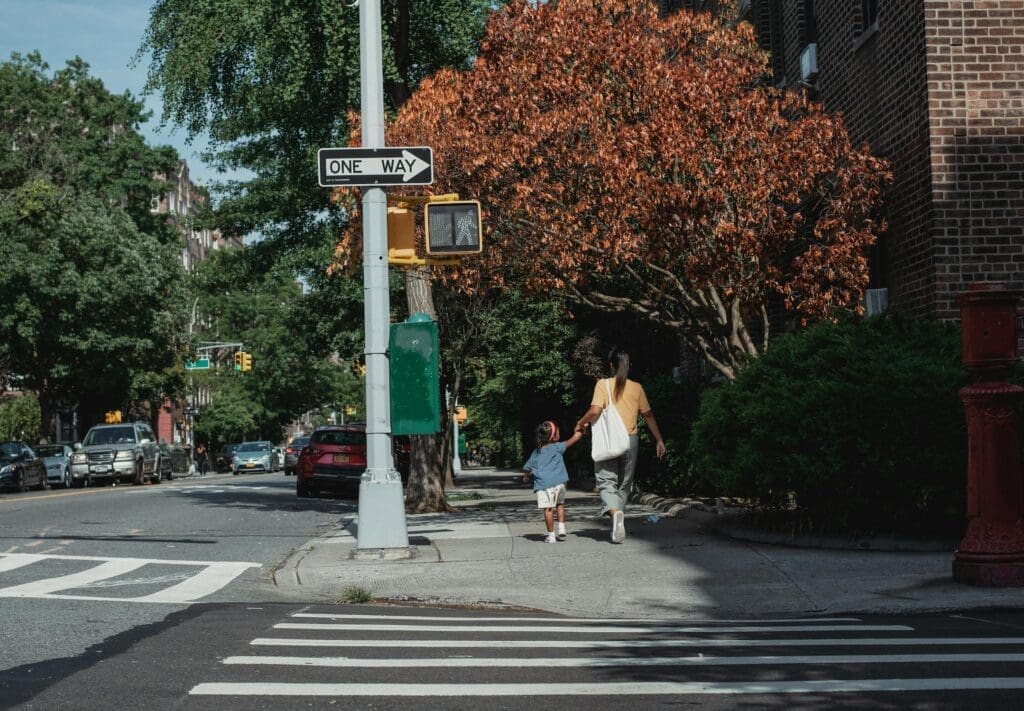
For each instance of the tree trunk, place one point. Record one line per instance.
(47, 416)
(425, 491)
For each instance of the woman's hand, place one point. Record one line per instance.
(659, 449)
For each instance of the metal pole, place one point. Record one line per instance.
(456, 461)
(381, 529)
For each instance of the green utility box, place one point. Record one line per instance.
(415, 377)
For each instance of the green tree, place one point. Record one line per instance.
(90, 296)
(289, 376)
(272, 83)
(19, 419)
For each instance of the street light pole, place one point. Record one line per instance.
(381, 529)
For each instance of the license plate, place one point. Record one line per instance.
(249, 465)
(341, 459)
(99, 469)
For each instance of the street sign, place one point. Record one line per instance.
(200, 364)
(376, 166)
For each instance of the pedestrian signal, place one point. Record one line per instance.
(112, 417)
(453, 227)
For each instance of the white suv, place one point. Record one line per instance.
(123, 452)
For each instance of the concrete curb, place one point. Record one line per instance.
(727, 521)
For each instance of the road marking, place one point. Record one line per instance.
(607, 629)
(213, 576)
(604, 620)
(701, 661)
(633, 644)
(561, 688)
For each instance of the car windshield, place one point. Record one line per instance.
(349, 437)
(254, 447)
(110, 435)
(51, 451)
(10, 449)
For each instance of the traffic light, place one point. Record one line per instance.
(461, 414)
(112, 417)
(238, 360)
(401, 234)
(246, 362)
(453, 227)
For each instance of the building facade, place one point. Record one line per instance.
(937, 87)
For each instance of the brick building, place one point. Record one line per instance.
(937, 87)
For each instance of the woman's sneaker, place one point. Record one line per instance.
(618, 527)
(551, 538)
(560, 535)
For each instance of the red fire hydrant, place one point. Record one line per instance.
(992, 550)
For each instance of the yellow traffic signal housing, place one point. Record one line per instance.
(246, 362)
(238, 360)
(401, 234)
(453, 228)
(461, 414)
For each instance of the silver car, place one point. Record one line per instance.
(57, 461)
(117, 452)
(254, 457)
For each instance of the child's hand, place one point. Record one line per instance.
(526, 477)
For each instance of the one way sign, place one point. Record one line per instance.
(376, 166)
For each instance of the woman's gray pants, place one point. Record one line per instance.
(614, 477)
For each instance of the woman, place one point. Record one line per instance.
(615, 476)
(201, 460)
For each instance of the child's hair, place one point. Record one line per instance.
(547, 432)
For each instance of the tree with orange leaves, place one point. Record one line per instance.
(645, 163)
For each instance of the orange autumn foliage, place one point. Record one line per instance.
(643, 163)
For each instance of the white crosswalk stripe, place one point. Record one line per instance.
(842, 655)
(212, 576)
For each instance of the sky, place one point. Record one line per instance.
(106, 34)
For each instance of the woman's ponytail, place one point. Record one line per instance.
(618, 363)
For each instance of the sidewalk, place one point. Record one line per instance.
(492, 551)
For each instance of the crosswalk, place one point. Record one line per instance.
(80, 576)
(443, 657)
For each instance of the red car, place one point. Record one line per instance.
(335, 459)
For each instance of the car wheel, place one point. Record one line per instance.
(234, 472)
(137, 479)
(43, 483)
(302, 488)
(67, 478)
(21, 487)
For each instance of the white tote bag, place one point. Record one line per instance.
(608, 436)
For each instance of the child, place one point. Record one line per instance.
(547, 468)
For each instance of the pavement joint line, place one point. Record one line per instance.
(555, 618)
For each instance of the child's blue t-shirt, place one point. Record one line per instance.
(547, 466)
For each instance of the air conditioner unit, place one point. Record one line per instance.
(875, 301)
(744, 8)
(809, 63)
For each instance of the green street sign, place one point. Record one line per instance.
(201, 364)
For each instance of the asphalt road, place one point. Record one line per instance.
(160, 597)
(220, 535)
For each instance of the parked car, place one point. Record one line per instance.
(335, 458)
(20, 468)
(254, 457)
(226, 457)
(291, 454)
(122, 452)
(164, 464)
(57, 461)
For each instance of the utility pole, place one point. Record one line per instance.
(382, 529)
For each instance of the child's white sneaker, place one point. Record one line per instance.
(560, 535)
(551, 538)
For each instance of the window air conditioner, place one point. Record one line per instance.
(875, 301)
(809, 63)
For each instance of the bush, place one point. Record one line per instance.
(675, 408)
(855, 426)
(19, 419)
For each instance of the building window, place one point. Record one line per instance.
(868, 13)
(810, 23)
